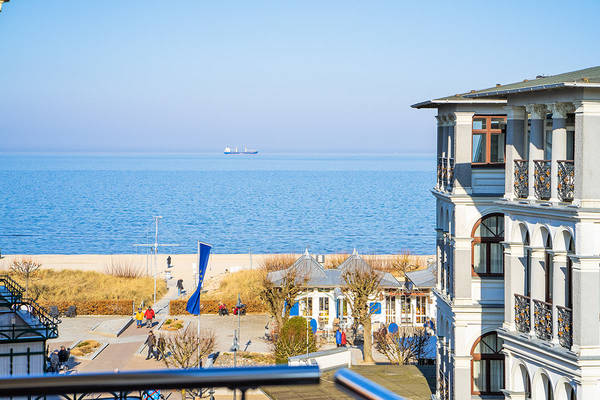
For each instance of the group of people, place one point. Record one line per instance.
(140, 315)
(58, 359)
(156, 347)
(340, 337)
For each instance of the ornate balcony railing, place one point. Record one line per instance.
(542, 179)
(542, 319)
(443, 387)
(440, 172)
(522, 313)
(565, 326)
(521, 179)
(450, 174)
(566, 180)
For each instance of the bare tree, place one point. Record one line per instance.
(361, 283)
(279, 297)
(401, 263)
(402, 347)
(184, 348)
(26, 269)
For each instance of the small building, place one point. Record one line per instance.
(324, 301)
(24, 329)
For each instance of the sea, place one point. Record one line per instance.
(266, 203)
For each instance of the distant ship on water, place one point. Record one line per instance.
(230, 150)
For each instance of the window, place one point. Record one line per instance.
(548, 267)
(487, 365)
(489, 140)
(421, 309)
(390, 309)
(487, 251)
(569, 277)
(527, 280)
(405, 309)
(308, 306)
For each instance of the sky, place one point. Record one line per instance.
(279, 76)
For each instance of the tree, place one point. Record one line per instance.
(402, 347)
(295, 338)
(184, 348)
(361, 283)
(26, 269)
(279, 297)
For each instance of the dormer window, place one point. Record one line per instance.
(489, 140)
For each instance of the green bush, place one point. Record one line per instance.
(291, 340)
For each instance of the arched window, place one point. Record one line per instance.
(487, 255)
(487, 365)
(527, 280)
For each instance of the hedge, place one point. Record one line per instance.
(177, 307)
(94, 307)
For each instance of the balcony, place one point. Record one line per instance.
(566, 180)
(542, 320)
(565, 326)
(445, 174)
(541, 185)
(522, 313)
(521, 179)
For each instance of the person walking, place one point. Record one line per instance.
(139, 318)
(54, 361)
(179, 287)
(169, 262)
(160, 348)
(338, 337)
(149, 314)
(150, 342)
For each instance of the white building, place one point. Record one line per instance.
(518, 222)
(24, 329)
(323, 300)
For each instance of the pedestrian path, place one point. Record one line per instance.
(115, 356)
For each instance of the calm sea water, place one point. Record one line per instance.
(104, 203)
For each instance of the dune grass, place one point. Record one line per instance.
(84, 348)
(276, 262)
(172, 325)
(74, 285)
(246, 282)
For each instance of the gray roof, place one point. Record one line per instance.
(588, 77)
(318, 276)
(423, 278)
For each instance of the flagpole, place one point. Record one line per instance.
(199, 305)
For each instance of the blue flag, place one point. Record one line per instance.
(193, 304)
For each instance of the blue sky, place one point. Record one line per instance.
(314, 76)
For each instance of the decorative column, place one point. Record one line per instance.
(513, 280)
(515, 146)
(536, 142)
(538, 256)
(450, 158)
(439, 233)
(587, 143)
(559, 142)
(586, 305)
(462, 270)
(559, 275)
(440, 140)
(463, 137)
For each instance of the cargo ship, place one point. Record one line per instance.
(229, 150)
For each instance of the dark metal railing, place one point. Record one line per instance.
(362, 388)
(15, 291)
(445, 173)
(541, 184)
(565, 326)
(521, 179)
(566, 180)
(542, 320)
(522, 313)
(123, 385)
(440, 172)
(450, 175)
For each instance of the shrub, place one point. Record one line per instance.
(291, 340)
(93, 307)
(276, 262)
(84, 348)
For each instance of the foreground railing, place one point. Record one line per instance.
(542, 179)
(522, 313)
(566, 180)
(521, 179)
(542, 322)
(565, 326)
(359, 386)
(133, 384)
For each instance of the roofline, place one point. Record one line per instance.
(532, 89)
(435, 103)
